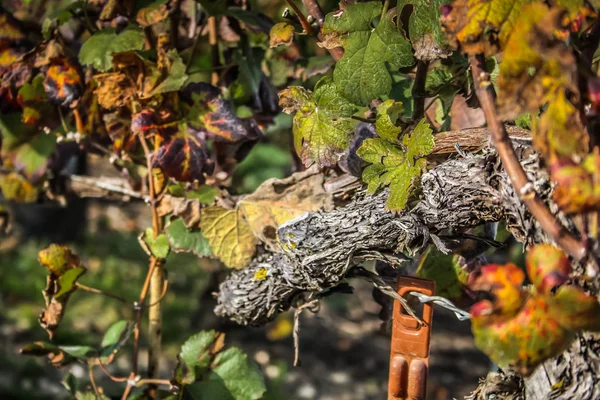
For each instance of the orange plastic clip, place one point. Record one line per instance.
(409, 357)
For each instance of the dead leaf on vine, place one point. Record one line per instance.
(65, 268)
(154, 13)
(63, 82)
(114, 90)
(534, 45)
(577, 185)
(187, 209)
(229, 235)
(281, 34)
(17, 188)
(184, 156)
(279, 200)
(481, 26)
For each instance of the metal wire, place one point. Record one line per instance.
(462, 315)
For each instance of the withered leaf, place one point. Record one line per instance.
(229, 235)
(114, 90)
(17, 188)
(281, 34)
(184, 157)
(279, 200)
(481, 26)
(154, 13)
(63, 82)
(65, 268)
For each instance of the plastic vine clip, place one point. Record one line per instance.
(409, 355)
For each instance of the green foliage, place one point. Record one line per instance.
(98, 50)
(183, 239)
(322, 124)
(371, 50)
(396, 165)
(207, 371)
(158, 246)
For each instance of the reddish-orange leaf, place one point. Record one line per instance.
(63, 82)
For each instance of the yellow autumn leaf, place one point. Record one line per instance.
(559, 131)
(539, 69)
(229, 235)
(15, 187)
(281, 34)
(482, 26)
(279, 200)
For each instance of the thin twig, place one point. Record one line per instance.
(110, 376)
(98, 291)
(301, 17)
(136, 329)
(93, 382)
(153, 382)
(194, 48)
(418, 90)
(523, 187)
(314, 10)
(296, 329)
(106, 186)
(214, 49)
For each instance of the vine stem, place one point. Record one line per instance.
(214, 49)
(301, 17)
(418, 90)
(314, 10)
(523, 187)
(153, 284)
(98, 291)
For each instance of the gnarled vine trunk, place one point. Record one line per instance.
(319, 248)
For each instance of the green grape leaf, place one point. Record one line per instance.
(394, 166)
(183, 239)
(114, 338)
(446, 271)
(98, 50)
(322, 124)
(157, 246)
(362, 73)
(420, 142)
(388, 114)
(425, 32)
(67, 281)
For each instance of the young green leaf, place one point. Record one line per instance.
(388, 114)
(395, 167)
(158, 246)
(322, 124)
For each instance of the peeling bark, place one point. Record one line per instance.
(319, 248)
